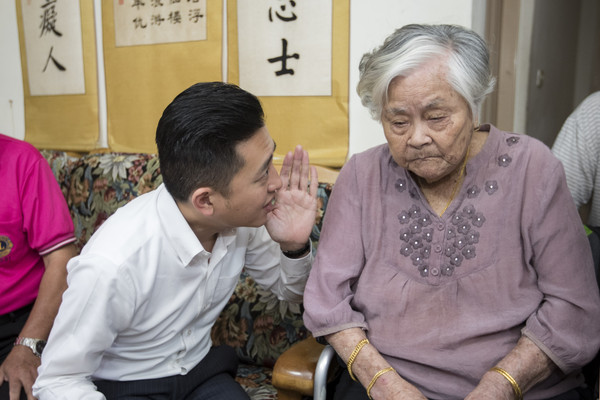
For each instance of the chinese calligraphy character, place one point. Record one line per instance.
(156, 19)
(156, 3)
(49, 19)
(139, 23)
(56, 63)
(174, 17)
(137, 4)
(195, 14)
(283, 59)
(282, 16)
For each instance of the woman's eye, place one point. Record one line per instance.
(436, 118)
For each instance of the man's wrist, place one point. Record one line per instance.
(36, 345)
(297, 253)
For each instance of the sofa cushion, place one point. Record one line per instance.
(96, 185)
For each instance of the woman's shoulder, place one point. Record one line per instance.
(518, 142)
(367, 162)
(376, 151)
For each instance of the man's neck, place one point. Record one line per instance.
(206, 234)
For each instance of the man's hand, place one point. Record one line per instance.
(19, 370)
(294, 215)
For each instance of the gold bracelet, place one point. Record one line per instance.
(377, 375)
(515, 385)
(358, 347)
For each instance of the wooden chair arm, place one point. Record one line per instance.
(294, 371)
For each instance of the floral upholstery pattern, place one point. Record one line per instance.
(96, 185)
(254, 322)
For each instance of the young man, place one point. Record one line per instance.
(144, 293)
(36, 236)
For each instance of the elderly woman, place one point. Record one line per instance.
(452, 262)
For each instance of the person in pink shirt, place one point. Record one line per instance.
(36, 241)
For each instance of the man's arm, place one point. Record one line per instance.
(20, 367)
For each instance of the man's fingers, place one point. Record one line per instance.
(314, 181)
(296, 167)
(286, 168)
(304, 170)
(14, 390)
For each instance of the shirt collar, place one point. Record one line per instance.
(176, 229)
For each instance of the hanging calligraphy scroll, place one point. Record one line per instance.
(58, 58)
(159, 21)
(294, 56)
(153, 49)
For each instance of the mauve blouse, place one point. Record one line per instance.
(443, 299)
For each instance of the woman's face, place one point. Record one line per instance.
(427, 124)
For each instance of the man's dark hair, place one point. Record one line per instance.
(198, 133)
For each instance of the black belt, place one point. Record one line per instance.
(14, 315)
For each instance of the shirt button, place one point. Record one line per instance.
(438, 248)
(435, 271)
(440, 226)
(188, 332)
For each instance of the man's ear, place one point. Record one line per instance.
(201, 199)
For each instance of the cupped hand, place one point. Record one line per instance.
(291, 222)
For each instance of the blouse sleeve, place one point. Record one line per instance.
(566, 326)
(339, 261)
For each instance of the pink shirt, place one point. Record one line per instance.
(443, 299)
(34, 221)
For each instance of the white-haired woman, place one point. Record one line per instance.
(452, 262)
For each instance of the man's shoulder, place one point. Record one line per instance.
(131, 227)
(20, 152)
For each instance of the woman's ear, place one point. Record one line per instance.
(202, 200)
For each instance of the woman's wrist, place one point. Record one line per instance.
(515, 386)
(496, 385)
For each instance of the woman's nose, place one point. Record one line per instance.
(419, 135)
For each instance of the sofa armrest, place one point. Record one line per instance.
(294, 371)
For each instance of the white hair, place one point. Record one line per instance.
(410, 47)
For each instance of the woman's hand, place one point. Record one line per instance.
(394, 387)
(367, 363)
(492, 386)
(527, 364)
(292, 220)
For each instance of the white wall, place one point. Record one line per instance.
(12, 113)
(370, 22)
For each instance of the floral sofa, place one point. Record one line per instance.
(258, 325)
